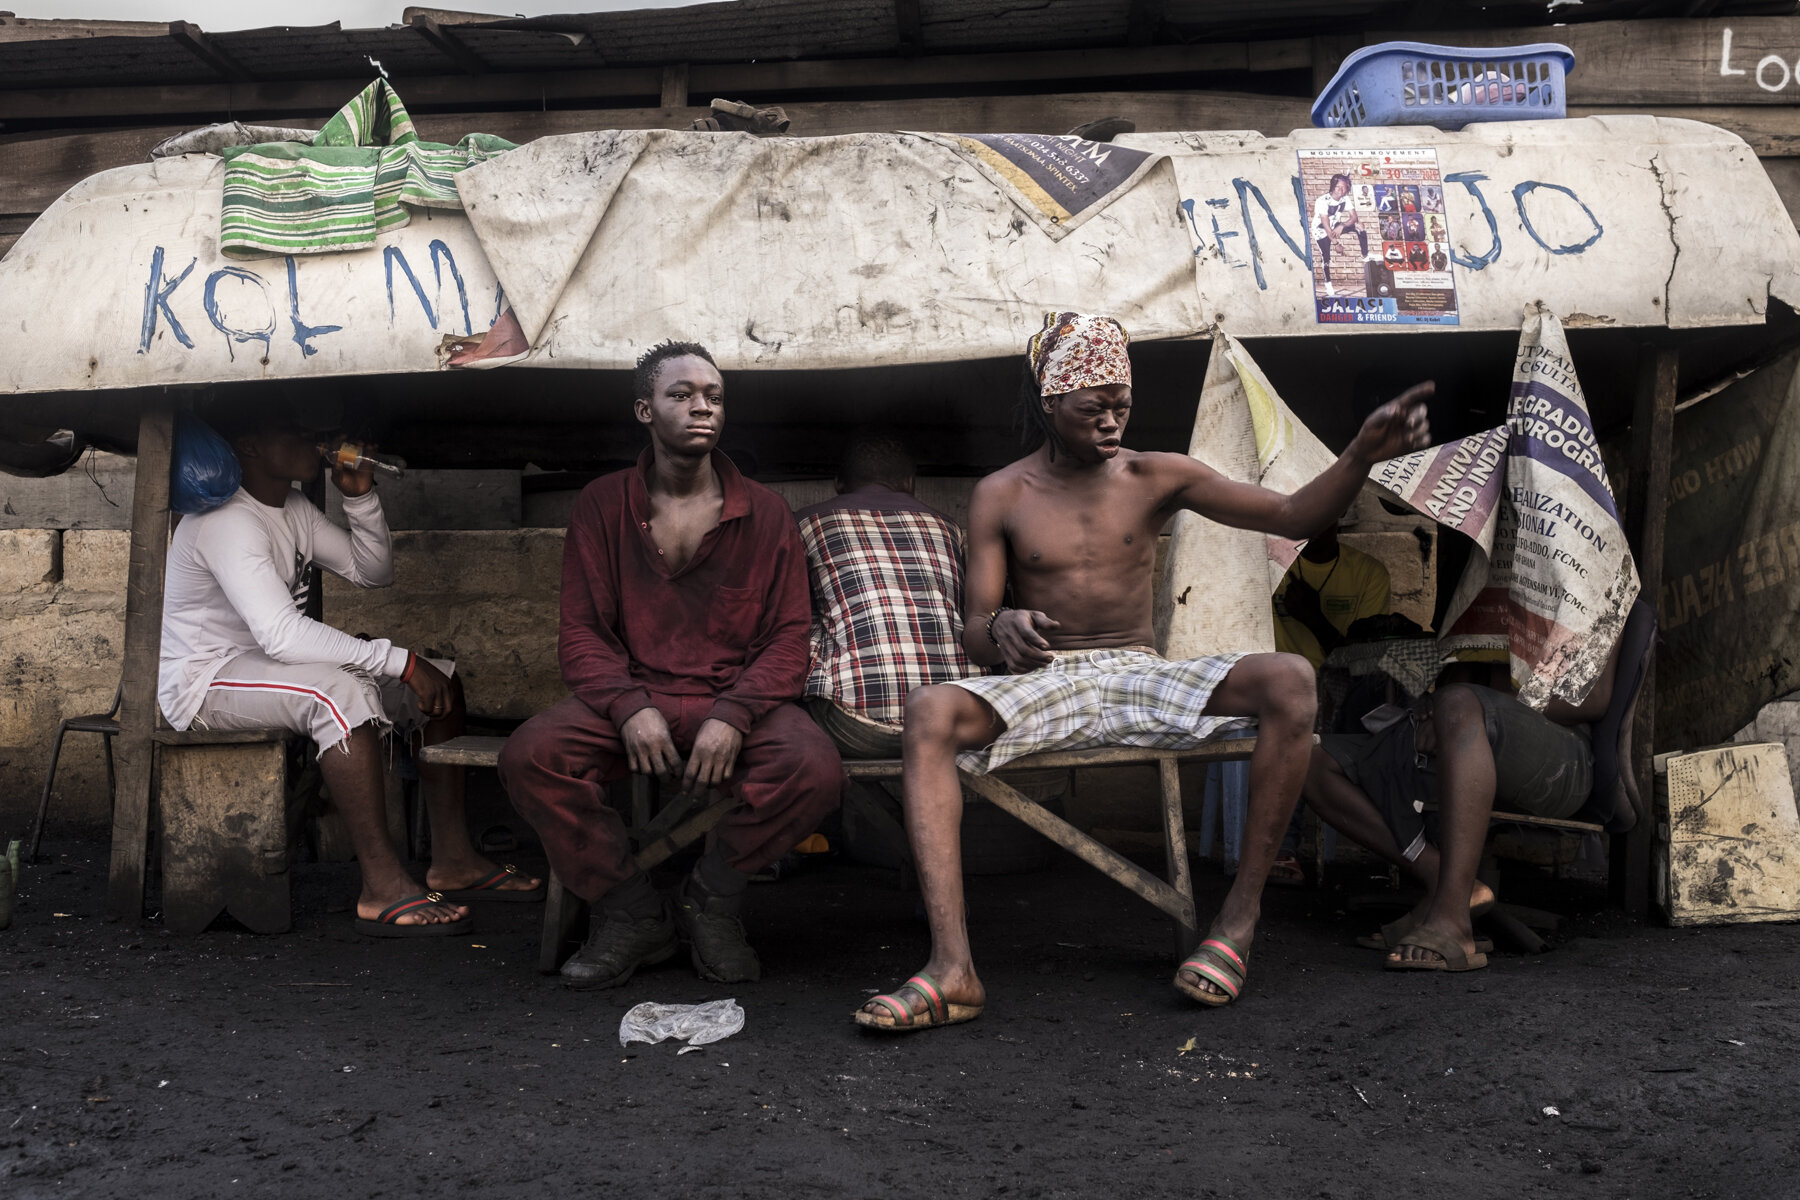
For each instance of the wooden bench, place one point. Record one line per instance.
(658, 837)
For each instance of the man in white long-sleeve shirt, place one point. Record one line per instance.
(238, 652)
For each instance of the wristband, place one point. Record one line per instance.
(412, 660)
(992, 617)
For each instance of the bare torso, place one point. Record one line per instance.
(1081, 547)
(679, 523)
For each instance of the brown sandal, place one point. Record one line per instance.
(1443, 946)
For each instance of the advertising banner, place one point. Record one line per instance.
(1380, 236)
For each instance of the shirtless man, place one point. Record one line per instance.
(1074, 525)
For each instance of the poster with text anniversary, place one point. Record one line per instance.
(1380, 239)
(1551, 579)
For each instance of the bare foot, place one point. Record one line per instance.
(451, 876)
(1481, 898)
(958, 987)
(1464, 938)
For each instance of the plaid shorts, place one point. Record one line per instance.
(1089, 698)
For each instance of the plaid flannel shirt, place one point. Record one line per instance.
(887, 605)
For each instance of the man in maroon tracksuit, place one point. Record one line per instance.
(685, 617)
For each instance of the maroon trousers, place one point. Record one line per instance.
(556, 767)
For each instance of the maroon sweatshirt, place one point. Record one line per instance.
(732, 624)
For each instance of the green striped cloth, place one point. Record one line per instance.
(352, 183)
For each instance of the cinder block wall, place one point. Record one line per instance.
(62, 625)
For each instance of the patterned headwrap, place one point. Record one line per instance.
(1075, 351)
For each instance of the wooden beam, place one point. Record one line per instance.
(909, 28)
(192, 39)
(951, 72)
(26, 29)
(675, 85)
(1646, 510)
(134, 748)
(1142, 21)
(448, 44)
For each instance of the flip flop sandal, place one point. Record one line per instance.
(1287, 872)
(1440, 944)
(900, 1018)
(385, 925)
(1220, 962)
(490, 889)
(1389, 935)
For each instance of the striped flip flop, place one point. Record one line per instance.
(386, 924)
(1218, 961)
(491, 888)
(900, 1018)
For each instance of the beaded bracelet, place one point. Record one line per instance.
(990, 624)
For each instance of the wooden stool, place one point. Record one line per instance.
(223, 802)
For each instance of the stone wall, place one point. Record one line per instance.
(62, 626)
(486, 598)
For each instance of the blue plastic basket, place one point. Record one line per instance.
(1413, 83)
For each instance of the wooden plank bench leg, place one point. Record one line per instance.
(565, 926)
(1121, 869)
(1175, 846)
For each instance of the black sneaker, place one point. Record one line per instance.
(616, 947)
(716, 940)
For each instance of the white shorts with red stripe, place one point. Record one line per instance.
(253, 691)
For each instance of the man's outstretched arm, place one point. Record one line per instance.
(1397, 427)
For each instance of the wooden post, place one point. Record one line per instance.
(1652, 441)
(143, 640)
(675, 85)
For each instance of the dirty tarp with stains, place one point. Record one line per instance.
(1730, 603)
(867, 250)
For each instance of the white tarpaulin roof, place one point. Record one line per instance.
(871, 249)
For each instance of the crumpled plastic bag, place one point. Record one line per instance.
(203, 471)
(696, 1024)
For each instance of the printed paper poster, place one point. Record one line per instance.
(1552, 578)
(1379, 237)
(1058, 181)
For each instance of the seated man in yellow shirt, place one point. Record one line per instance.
(1329, 588)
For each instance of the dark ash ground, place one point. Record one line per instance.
(134, 1063)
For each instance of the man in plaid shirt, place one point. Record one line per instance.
(887, 580)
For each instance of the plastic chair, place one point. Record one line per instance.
(105, 724)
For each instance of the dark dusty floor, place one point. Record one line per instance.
(135, 1063)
